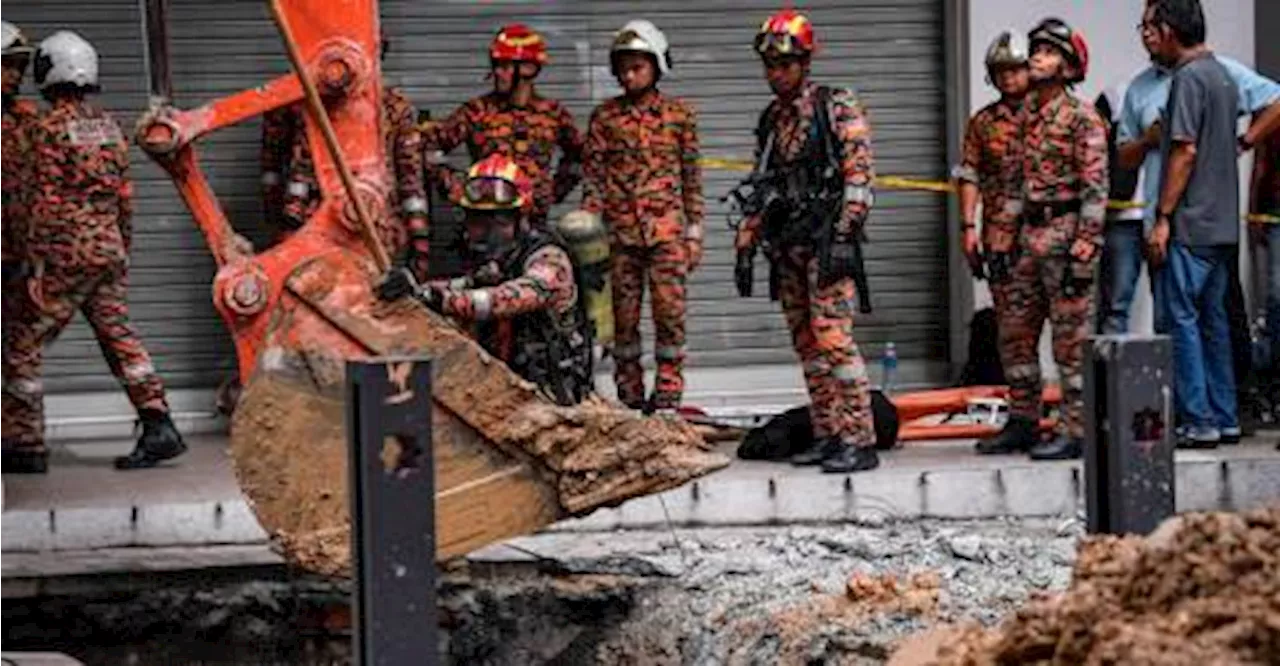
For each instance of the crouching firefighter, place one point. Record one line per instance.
(78, 244)
(523, 298)
(1060, 205)
(815, 164)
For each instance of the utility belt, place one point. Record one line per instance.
(1041, 213)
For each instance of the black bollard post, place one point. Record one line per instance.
(1128, 453)
(392, 512)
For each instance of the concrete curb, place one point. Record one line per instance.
(754, 496)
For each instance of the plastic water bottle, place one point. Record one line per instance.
(889, 368)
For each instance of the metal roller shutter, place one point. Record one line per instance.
(890, 51)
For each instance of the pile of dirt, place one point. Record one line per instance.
(1202, 589)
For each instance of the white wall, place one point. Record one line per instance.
(1115, 55)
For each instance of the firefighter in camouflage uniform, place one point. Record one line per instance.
(822, 139)
(642, 175)
(19, 115)
(78, 243)
(405, 233)
(523, 299)
(986, 174)
(515, 121)
(1061, 206)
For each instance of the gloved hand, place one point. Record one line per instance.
(433, 298)
(836, 261)
(398, 283)
(744, 272)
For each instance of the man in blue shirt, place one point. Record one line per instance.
(1139, 136)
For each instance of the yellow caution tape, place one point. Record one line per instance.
(941, 186)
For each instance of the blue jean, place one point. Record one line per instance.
(1121, 266)
(1191, 307)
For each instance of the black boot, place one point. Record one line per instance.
(851, 459)
(818, 451)
(160, 441)
(1058, 448)
(24, 460)
(1018, 435)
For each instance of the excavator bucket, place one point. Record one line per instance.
(508, 461)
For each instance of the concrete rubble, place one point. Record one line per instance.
(752, 595)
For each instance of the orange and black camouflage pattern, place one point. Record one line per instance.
(407, 216)
(1064, 158)
(666, 268)
(529, 135)
(821, 318)
(546, 284)
(79, 239)
(821, 323)
(641, 174)
(19, 116)
(990, 162)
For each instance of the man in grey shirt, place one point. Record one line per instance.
(1197, 227)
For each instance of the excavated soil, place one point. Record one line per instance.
(1203, 589)
(506, 460)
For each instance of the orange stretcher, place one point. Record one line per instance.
(913, 408)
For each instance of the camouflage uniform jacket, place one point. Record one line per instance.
(19, 116)
(529, 135)
(641, 170)
(404, 158)
(990, 162)
(790, 125)
(546, 283)
(1064, 159)
(82, 199)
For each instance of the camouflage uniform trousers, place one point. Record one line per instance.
(821, 324)
(1034, 293)
(98, 292)
(666, 266)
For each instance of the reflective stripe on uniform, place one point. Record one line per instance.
(862, 194)
(1023, 371)
(414, 205)
(965, 173)
(138, 371)
(668, 353)
(482, 303)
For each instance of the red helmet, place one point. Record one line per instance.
(788, 33)
(497, 183)
(1067, 39)
(518, 43)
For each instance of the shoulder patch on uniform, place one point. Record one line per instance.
(94, 132)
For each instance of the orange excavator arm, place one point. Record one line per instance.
(507, 460)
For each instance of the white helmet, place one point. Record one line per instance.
(65, 57)
(641, 36)
(1008, 49)
(14, 42)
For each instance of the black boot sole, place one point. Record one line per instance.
(860, 464)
